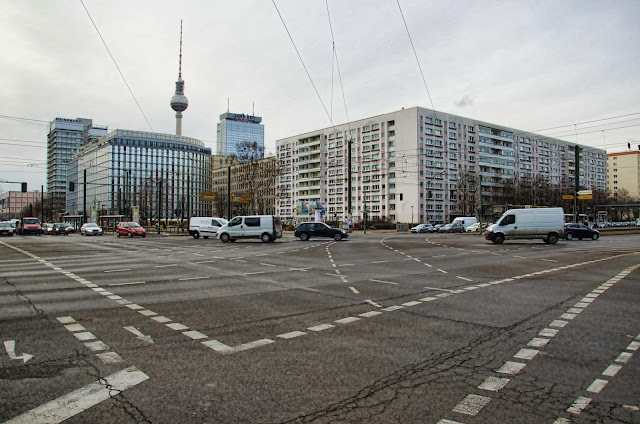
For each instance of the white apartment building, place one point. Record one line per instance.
(420, 165)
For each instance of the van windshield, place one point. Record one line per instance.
(235, 221)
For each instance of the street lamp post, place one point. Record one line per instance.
(411, 215)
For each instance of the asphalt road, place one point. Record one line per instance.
(379, 328)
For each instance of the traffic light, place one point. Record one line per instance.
(24, 187)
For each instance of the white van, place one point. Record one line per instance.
(535, 223)
(264, 227)
(465, 221)
(205, 226)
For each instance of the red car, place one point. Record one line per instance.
(130, 229)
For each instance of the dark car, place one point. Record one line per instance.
(436, 228)
(306, 230)
(60, 229)
(6, 229)
(130, 229)
(580, 231)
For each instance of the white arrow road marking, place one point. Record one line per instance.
(10, 347)
(82, 399)
(139, 334)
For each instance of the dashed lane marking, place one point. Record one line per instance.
(127, 284)
(353, 289)
(384, 282)
(472, 404)
(73, 403)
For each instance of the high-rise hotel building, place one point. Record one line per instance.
(237, 130)
(414, 165)
(64, 138)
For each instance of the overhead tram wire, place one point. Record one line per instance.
(26, 120)
(302, 61)
(581, 123)
(417, 60)
(117, 67)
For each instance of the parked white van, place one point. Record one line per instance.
(534, 223)
(205, 226)
(264, 227)
(465, 221)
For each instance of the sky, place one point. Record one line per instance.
(530, 65)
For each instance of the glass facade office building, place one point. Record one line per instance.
(64, 138)
(160, 175)
(235, 129)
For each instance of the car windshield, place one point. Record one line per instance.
(5, 225)
(134, 225)
(91, 226)
(31, 221)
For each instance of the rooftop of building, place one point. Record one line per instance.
(145, 135)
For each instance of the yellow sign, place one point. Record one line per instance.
(585, 196)
(208, 196)
(567, 196)
(240, 196)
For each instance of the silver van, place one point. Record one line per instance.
(264, 227)
(205, 226)
(534, 223)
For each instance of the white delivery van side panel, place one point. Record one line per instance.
(465, 220)
(535, 223)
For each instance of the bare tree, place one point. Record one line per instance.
(256, 176)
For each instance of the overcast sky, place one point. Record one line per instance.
(530, 65)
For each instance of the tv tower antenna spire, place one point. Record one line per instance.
(179, 101)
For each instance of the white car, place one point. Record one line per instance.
(422, 228)
(90, 229)
(473, 228)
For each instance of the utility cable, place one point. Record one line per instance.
(302, 61)
(417, 60)
(117, 67)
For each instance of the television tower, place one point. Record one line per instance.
(179, 101)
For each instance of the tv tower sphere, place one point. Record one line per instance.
(179, 101)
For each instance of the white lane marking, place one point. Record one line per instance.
(526, 353)
(494, 384)
(379, 262)
(254, 273)
(371, 302)
(612, 370)
(548, 260)
(439, 256)
(464, 278)
(437, 288)
(127, 284)
(385, 282)
(191, 278)
(164, 266)
(196, 254)
(84, 336)
(444, 421)
(370, 314)
(291, 335)
(134, 306)
(75, 327)
(204, 262)
(521, 257)
(266, 264)
(347, 320)
(548, 332)
(320, 327)
(413, 303)
(347, 265)
(427, 299)
(96, 346)
(472, 404)
(73, 403)
(161, 319)
(117, 270)
(624, 357)
(139, 335)
(578, 405)
(511, 368)
(558, 323)
(195, 335)
(442, 271)
(393, 308)
(65, 320)
(10, 348)
(177, 326)
(109, 357)
(538, 342)
(633, 346)
(430, 266)
(353, 289)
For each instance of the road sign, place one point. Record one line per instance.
(567, 196)
(584, 192)
(602, 213)
(240, 196)
(585, 197)
(208, 196)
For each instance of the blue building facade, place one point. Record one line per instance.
(131, 173)
(234, 130)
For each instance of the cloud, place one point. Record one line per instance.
(464, 101)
